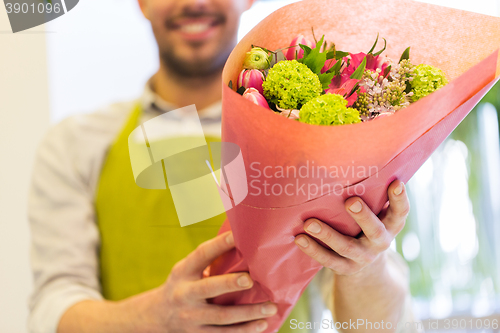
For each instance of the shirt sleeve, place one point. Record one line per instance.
(407, 322)
(64, 235)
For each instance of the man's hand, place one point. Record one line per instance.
(349, 255)
(183, 303)
(179, 305)
(366, 287)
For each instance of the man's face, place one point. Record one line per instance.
(194, 37)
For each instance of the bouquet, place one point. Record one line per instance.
(332, 87)
(298, 169)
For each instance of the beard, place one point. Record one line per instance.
(195, 68)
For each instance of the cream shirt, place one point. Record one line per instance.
(65, 236)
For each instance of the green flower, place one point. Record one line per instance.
(328, 109)
(257, 58)
(427, 80)
(290, 84)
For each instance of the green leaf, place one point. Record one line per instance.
(335, 68)
(408, 88)
(241, 90)
(230, 84)
(380, 52)
(341, 54)
(306, 49)
(326, 79)
(387, 70)
(373, 47)
(356, 86)
(358, 73)
(405, 55)
(315, 60)
(336, 54)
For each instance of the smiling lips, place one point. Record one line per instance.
(196, 28)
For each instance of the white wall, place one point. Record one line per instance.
(24, 117)
(101, 51)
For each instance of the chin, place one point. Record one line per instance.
(204, 55)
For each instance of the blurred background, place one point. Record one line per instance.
(103, 51)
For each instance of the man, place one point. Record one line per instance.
(99, 263)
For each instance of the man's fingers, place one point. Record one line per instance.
(399, 207)
(217, 285)
(232, 314)
(372, 227)
(207, 252)
(348, 247)
(325, 257)
(251, 327)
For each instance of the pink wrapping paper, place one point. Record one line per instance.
(464, 45)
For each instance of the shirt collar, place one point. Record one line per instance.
(153, 102)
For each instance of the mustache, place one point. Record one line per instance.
(189, 13)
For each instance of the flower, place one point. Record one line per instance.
(328, 109)
(345, 90)
(251, 78)
(295, 51)
(290, 114)
(328, 64)
(290, 84)
(372, 63)
(427, 80)
(338, 81)
(257, 58)
(381, 94)
(253, 95)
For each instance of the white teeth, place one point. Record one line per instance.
(194, 28)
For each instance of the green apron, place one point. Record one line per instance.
(141, 238)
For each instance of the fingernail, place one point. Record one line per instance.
(314, 228)
(302, 241)
(243, 281)
(398, 190)
(230, 239)
(261, 327)
(356, 207)
(269, 309)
